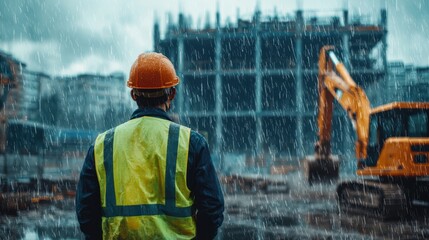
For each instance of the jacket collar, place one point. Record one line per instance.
(151, 112)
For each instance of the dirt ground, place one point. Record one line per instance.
(302, 213)
(311, 212)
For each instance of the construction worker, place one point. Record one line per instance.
(149, 178)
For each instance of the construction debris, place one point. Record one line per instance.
(251, 183)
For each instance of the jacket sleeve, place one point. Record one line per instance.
(208, 193)
(88, 208)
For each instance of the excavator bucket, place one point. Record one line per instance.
(319, 169)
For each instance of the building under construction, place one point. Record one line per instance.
(252, 86)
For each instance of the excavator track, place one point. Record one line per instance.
(372, 198)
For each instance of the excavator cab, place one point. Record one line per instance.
(395, 123)
(398, 141)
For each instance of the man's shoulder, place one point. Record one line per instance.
(197, 140)
(106, 131)
(197, 135)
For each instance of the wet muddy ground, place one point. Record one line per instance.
(311, 212)
(287, 217)
(48, 221)
(302, 213)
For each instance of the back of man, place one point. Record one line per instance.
(149, 178)
(147, 202)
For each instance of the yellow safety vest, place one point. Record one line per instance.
(141, 167)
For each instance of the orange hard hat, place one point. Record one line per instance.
(152, 71)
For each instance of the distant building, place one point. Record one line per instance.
(252, 86)
(12, 95)
(24, 98)
(407, 83)
(85, 99)
(78, 102)
(54, 119)
(33, 83)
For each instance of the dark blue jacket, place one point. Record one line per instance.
(201, 180)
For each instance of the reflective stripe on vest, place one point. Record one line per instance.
(142, 172)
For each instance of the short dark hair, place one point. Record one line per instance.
(159, 96)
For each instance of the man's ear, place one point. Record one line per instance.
(172, 94)
(133, 96)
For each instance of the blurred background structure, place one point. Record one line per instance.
(252, 85)
(48, 123)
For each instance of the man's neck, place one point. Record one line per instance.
(163, 107)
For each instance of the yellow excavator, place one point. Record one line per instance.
(392, 146)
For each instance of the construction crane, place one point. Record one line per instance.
(392, 146)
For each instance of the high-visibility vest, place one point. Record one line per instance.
(141, 167)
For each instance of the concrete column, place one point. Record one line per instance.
(180, 66)
(384, 83)
(299, 133)
(258, 85)
(218, 92)
(384, 39)
(180, 87)
(346, 42)
(348, 65)
(156, 36)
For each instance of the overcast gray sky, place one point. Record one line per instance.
(102, 36)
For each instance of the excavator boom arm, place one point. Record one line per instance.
(334, 82)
